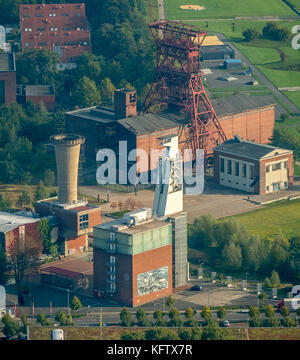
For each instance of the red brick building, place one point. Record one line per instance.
(76, 222)
(253, 167)
(7, 78)
(61, 28)
(37, 94)
(136, 264)
(250, 117)
(14, 226)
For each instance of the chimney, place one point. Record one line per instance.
(125, 103)
(67, 149)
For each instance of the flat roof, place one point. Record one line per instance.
(10, 221)
(131, 230)
(246, 149)
(7, 62)
(62, 272)
(38, 90)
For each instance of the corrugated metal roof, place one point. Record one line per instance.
(235, 104)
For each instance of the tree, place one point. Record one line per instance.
(64, 319)
(85, 93)
(174, 316)
(221, 313)
(158, 315)
(76, 303)
(23, 257)
(250, 34)
(41, 318)
(284, 117)
(5, 202)
(41, 191)
(283, 56)
(232, 254)
(206, 313)
(294, 258)
(142, 318)
(284, 311)
(256, 321)
(275, 279)
(272, 322)
(49, 177)
(288, 322)
(133, 335)
(189, 314)
(263, 298)
(45, 233)
(253, 311)
(25, 198)
(194, 333)
(126, 318)
(107, 89)
(269, 312)
(213, 332)
(11, 327)
(267, 283)
(170, 302)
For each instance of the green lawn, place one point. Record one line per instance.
(296, 170)
(293, 96)
(282, 216)
(281, 78)
(215, 9)
(259, 56)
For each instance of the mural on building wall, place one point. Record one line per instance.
(152, 281)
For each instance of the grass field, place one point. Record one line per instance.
(215, 9)
(282, 216)
(274, 334)
(296, 170)
(293, 96)
(281, 78)
(257, 55)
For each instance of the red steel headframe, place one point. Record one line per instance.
(178, 82)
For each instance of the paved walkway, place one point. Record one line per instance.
(161, 9)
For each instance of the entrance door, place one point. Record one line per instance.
(276, 186)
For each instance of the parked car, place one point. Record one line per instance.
(196, 288)
(10, 281)
(225, 323)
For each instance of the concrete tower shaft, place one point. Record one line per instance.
(67, 150)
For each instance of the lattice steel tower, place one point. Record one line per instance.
(178, 82)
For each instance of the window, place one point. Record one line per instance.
(26, 44)
(268, 188)
(237, 168)
(42, 44)
(40, 29)
(251, 172)
(2, 92)
(276, 166)
(26, 15)
(83, 221)
(285, 164)
(285, 185)
(244, 170)
(39, 15)
(26, 29)
(222, 165)
(64, 14)
(229, 167)
(268, 168)
(112, 259)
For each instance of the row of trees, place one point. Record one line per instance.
(235, 249)
(271, 321)
(271, 31)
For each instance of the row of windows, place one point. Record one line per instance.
(237, 168)
(58, 44)
(84, 221)
(67, 28)
(276, 166)
(50, 15)
(277, 186)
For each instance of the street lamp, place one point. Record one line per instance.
(68, 291)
